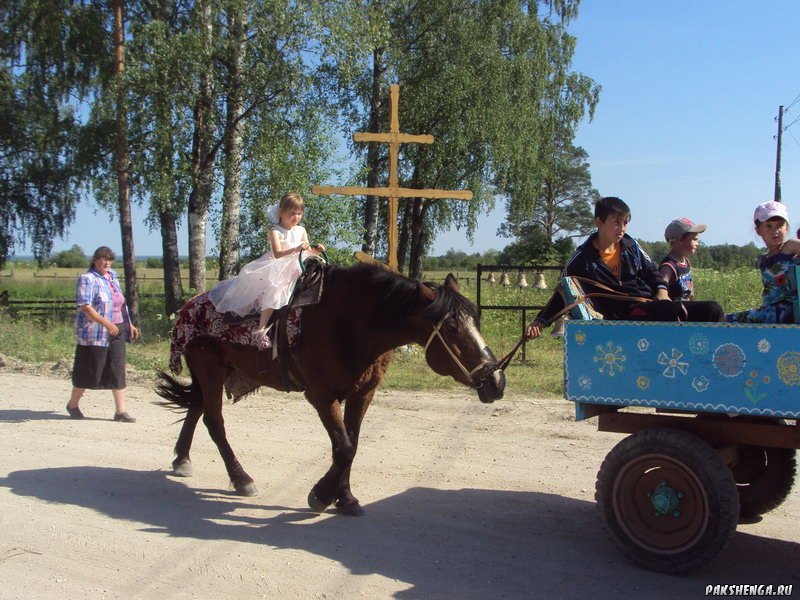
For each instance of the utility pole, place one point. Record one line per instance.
(778, 158)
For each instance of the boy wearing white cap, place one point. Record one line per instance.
(772, 224)
(683, 236)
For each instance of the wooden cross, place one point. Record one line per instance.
(394, 138)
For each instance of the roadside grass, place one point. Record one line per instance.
(540, 375)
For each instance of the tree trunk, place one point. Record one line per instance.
(121, 161)
(373, 154)
(407, 206)
(173, 287)
(231, 194)
(202, 164)
(419, 237)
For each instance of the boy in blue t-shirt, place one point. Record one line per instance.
(683, 236)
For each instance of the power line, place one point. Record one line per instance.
(793, 103)
(792, 123)
(798, 143)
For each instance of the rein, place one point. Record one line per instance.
(610, 293)
(506, 360)
(437, 333)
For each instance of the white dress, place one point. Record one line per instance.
(267, 282)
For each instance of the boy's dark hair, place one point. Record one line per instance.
(610, 205)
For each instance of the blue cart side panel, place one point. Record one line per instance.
(703, 367)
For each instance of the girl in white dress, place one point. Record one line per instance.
(267, 283)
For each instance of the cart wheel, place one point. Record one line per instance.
(764, 478)
(668, 500)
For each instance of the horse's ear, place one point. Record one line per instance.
(451, 282)
(427, 293)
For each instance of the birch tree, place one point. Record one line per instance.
(44, 77)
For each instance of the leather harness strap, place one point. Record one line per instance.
(437, 333)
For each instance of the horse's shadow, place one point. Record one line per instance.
(529, 543)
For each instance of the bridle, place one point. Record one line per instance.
(469, 374)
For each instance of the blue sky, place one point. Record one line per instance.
(685, 125)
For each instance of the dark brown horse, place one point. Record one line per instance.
(342, 353)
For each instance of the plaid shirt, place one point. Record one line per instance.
(95, 290)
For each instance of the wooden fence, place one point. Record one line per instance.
(44, 308)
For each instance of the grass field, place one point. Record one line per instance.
(50, 339)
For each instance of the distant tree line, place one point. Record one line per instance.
(723, 256)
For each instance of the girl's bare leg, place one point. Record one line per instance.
(265, 315)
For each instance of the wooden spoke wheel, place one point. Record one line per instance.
(668, 500)
(764, 478)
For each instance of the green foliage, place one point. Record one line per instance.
(460, 261)
(72, 258)
(735, 289)
(49, 54)
(36, 341)
(533, 246)
(488, 79)
(722, 256)
(563, 206)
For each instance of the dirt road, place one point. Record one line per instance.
(463, 500)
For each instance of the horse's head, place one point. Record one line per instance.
(455, 347)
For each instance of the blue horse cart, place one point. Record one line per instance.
(714, 413)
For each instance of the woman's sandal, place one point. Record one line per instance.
(124, 418)
(74, 413)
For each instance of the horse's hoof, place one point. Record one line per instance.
(350, 510)
(183, 469)
(315, 503)
(246, 489)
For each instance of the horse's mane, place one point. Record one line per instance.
(400, 295)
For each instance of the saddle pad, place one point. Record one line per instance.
(199, 318)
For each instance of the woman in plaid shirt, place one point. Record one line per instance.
(102, 327)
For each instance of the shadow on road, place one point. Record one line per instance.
(467, 543)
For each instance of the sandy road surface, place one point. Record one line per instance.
(463, 500)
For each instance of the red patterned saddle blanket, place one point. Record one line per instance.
(199, 318)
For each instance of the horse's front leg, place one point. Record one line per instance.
(326, 490)
(335, 484)
(354, 410)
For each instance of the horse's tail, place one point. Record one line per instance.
(176, 394)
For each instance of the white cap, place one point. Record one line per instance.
(766, 210)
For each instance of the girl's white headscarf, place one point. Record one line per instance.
(272, 214)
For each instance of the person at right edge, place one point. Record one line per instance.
(613, 259)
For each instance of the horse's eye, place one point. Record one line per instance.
(451, 326)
